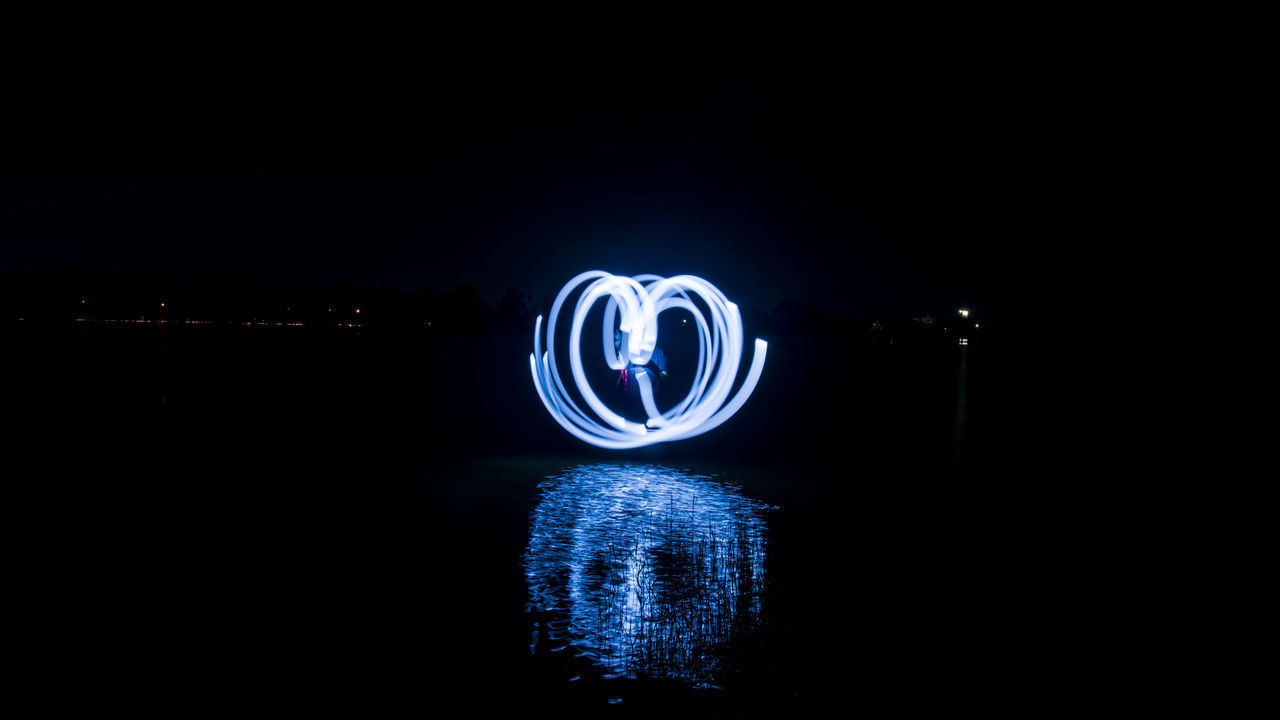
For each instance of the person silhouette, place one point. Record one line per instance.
(656, 368)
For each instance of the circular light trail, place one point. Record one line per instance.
(635, 304)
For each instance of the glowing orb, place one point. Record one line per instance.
(635, 304)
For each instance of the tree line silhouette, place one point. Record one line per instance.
(93, 292)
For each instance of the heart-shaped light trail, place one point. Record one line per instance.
(640, 300)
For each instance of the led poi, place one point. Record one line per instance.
(636, 303)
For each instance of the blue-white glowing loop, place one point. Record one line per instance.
(635, 304)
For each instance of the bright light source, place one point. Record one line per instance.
(635, 304)
(964, 313)
(357, 311)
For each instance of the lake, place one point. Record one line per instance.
(278, 517)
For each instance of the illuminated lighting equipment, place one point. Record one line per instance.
(964, 313)
(635, 304)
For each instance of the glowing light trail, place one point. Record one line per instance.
(634, 304)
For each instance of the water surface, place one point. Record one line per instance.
(644, 570)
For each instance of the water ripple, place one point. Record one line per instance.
(645, 570)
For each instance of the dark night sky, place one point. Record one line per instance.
(865, 180)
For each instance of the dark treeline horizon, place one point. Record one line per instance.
(95, 291)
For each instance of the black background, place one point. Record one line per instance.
(225, 517)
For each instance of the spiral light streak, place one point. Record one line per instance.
(635, 303)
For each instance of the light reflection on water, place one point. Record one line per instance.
(645, 570)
